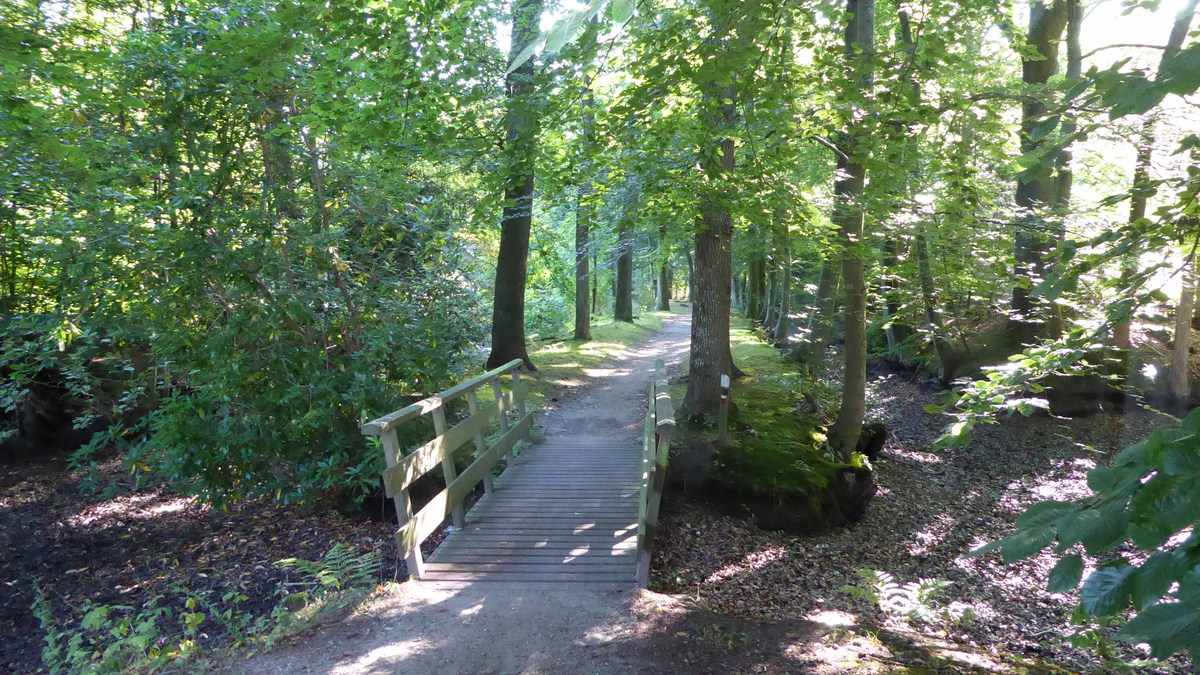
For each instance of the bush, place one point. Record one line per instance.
(1147, 501)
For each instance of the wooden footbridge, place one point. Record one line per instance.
(565, 511)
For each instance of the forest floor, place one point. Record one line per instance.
(932, 508)
(127, 545)
(727, 597)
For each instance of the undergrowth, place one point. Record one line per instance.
(174, 631)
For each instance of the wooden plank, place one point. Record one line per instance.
(518, 556)
(451, 547)
(413, 560)
(428, 456)
(550, 568)
(449, 470)
(463, 387)
(424, 522)
(578, 552)
(628, 577)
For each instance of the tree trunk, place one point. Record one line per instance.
(583, 214)
(691, 277)
(757, 282)
(710, 351)
(1065, 176)
(932, 317)
(1036, 186)
(520, 122)
(1143, 189)
(664, 271)
(783, 322)
(623, 300)
(1179, 386)
(820, 320)
(849, 216)
(595, 278)
(664, 287)
(583, 315)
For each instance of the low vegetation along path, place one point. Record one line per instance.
(543, 576)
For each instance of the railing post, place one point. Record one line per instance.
(501, 403)
(391, 454)
(480, 445)
(449, 471)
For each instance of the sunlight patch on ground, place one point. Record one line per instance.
(833, 618)
(751, 562)
(382, 658)
(142, 507)
(926, 540)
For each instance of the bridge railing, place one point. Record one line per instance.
(656, 447)
(404, 469)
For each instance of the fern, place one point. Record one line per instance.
(919, 601)
(340, 568)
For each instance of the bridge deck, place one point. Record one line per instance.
(562, 513)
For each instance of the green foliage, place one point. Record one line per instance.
(340, 568)
(1148, 499)
(177, 631)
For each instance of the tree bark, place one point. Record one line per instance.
(710, 354)
(932, 316)
(757, 281)
(583, 219)
(783, 321)
(1065, 176)
(820, 320)
(849, 216)
(1143, 189)
(623, 300)
(1036, 188)
(1179, 385)
(520, 122)
(691, 277)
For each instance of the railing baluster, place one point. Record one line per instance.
(458, 514)
(480, 446)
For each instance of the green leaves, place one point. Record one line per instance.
(621, 11)
(1149, 496)
(1066, 574)
(1167, 627)
(1107, 590)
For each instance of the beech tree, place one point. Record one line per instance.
(520, 146)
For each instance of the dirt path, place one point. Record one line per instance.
(501, 628)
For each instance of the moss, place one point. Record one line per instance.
(777, 447)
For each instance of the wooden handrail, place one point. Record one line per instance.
(377, 427)
(404, 469)
(656, 449)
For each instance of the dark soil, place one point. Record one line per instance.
(131, 544)
(931, 509)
